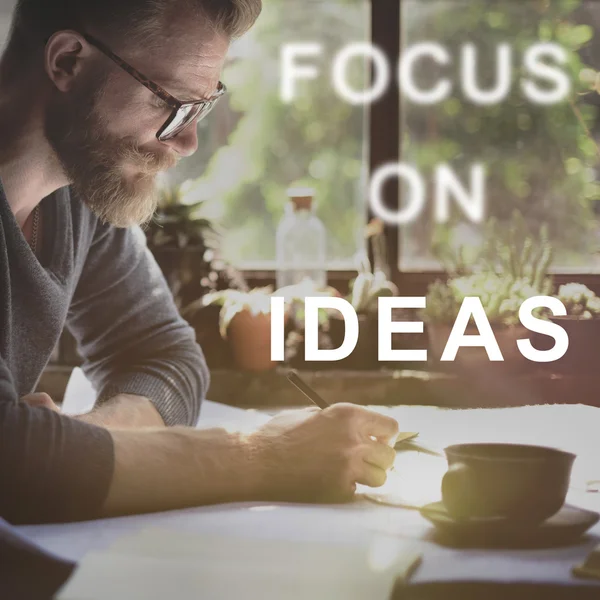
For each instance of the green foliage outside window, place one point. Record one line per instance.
(538, 157)
(541, 160)
(317, 139)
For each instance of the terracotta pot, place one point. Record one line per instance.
(583, 356)
(364, 356)
(250, 339)
(477, 358)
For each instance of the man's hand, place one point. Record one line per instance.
(321, 455)
(40, 400)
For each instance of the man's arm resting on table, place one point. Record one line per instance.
(55, 468)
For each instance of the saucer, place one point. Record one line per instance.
(564, 528)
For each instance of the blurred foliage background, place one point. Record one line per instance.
(540, 159)
(253, 147)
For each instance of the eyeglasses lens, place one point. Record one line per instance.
(185, 116)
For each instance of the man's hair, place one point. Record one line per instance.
(136, 21)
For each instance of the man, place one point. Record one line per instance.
(83, 134)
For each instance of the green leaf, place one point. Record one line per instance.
(581, 34)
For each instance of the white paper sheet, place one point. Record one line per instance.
(155, 562)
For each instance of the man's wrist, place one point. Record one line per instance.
(256, 466)
(265, 473)
(235, 457)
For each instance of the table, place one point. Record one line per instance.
(362, 530)
(303, 551)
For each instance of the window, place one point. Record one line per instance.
(254, 146)
(540, 160)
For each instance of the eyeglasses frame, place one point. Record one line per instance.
(156, 89)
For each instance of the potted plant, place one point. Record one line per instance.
(186, 246)
(507, 272)
(295, 298)
(582, 324)
(245, 323)
(501, 297)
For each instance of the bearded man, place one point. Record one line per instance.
(96, 98)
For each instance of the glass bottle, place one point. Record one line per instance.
(301, 242)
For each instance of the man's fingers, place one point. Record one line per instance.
(385, 429)
(366, 423)
(371, 476)
(377, 458)
(379, 455)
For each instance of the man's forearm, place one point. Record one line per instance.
(174, 468)
(125, 411)
(308, 455)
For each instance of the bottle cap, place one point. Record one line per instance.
(302, 198)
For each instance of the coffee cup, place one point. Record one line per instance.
(510, 481)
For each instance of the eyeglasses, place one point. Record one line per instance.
(184, 113)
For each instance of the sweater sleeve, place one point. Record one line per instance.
(52, 468)
(129, 331)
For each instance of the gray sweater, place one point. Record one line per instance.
(104, 285)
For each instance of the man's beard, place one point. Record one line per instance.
(94, 160)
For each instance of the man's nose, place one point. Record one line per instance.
(186, 142)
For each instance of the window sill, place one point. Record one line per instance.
(386, 387)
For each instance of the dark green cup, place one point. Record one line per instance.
(510, 481)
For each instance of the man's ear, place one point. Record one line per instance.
(65, 55)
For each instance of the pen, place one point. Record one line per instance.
(307, 390)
